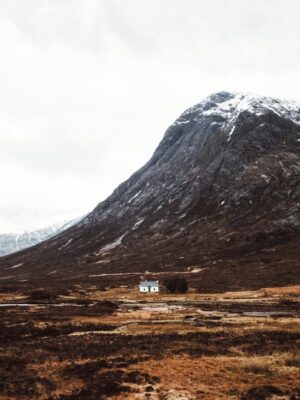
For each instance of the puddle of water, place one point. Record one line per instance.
(42, 304)
(246, 313)
(15, 305)
(212, 313)
(93, 333)
(156, 307)
(265, 313)
(64, 305)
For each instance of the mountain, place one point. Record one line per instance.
(219, 200)
(16, 241)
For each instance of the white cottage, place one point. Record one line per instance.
(149, 286)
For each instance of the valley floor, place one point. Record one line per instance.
(119, 344)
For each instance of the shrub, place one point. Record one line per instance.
(42, 295)
(176, 284)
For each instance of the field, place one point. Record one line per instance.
(117, 344)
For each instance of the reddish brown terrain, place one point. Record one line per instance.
(118, 344)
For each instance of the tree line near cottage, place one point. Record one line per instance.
(176, 284)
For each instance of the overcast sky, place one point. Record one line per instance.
(88, 87)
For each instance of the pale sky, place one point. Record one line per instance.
(88, 87)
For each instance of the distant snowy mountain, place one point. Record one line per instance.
(13, 242)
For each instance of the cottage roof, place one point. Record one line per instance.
(149, 283)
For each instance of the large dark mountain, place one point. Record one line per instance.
(219, 199)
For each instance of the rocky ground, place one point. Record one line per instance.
(117, 344)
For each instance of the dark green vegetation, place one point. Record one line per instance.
(176, 284)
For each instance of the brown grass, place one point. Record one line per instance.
(206, 350)
(214, 378)
(265, 295)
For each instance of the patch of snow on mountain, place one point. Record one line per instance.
(230, 133)
(134, 197)
(265, 177)
(66, 244)
(16, 266)
(182, 216)
(230, 105)
(114, 244)
(182, 122)
(138, 223)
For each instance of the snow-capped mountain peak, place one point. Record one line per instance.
(225, 108)
(229, 105)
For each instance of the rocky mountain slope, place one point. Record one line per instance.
(16, 241)
(219, 200)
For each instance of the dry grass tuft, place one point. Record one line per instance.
(258, 366)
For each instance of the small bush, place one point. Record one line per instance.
(258, 366)
(293, 362)
(256, 369)
(42, 295)
(293, 359)
(176, 284)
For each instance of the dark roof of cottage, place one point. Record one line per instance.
(147, 283)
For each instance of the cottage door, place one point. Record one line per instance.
(149, 288)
